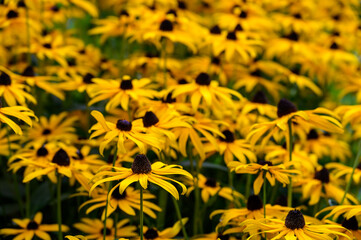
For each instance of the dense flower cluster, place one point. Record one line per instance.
(250, 109)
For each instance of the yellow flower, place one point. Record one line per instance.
(322, 185)
(264, 168)
(12, 88)
(287, 111)
(229, 147)
(293, 227)
(124, 130)
(119, 93)
(20, 112)
(208, 90)
(166, 234)
(94, 228)
(126, 202)
(30, 228)
(56, 128)
(210, 187)
(143, 172)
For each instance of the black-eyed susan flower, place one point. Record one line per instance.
(20, 112)
(120, 93)
(167, 234)
(230, 148)
(124, 131)
(143, 171)
(293, 226)
(126, 202)
(30, 228)
(203, 88)
(13, 90)
(56, 128)
(93, 228)
(287, 111)
(323, 184)
(210, 187)
(253, 210)
(265, 169)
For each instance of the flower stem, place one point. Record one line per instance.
(179, 215)
(290, 149)
(60, 233)
(164, 56)
(115, 224)
(163, 199)
(107, 202)
(27, 202)
(141, 213)
(264, 196)
(248, 185)
(355, 164)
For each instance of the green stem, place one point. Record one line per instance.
(141, 213)
(164, 56)
(179, 215)
(115, 224)
(27, 202)
(264, 196)
(290, 149)
(163, 199)
(248, 185)
(60, 233)
(355, 164)
(107, 202)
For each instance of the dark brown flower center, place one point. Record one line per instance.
(46, 131)
(350, 224)
(182, 5)
(28, 72)
(42, 152)
(61, 158)
(243, 14)
(260, 97)
(254, 202)
(88, 78)
(55, 8)
(108, 231)
(124, 13)
(285, 107)
(5, 79)
(229, 136)
(150, 119)
(12, 14)
(151, 233)
(21, 4)
(126, 84)
(215, 30)
(116, 195)
(124, 125)
(32, 225)
(334, 46)
(141, 164)
(292, 36)
(211, 182)
(203, 79)
(232, 36)
(297, 16)
(182, 81)
(166, 26)
(295, 220)
(312, 134)
(262, 162)
(238, 28)
(323, 175)
(47, 45)
(216, 61)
